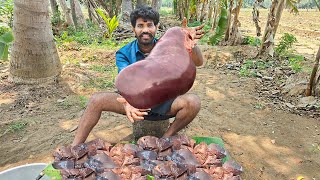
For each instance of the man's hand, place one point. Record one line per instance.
(132, 113)
(195, 32)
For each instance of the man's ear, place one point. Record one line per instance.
(158, 25)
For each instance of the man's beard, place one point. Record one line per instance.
(142, 42)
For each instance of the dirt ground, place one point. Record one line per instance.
(270, 142)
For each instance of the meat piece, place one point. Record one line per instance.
(147, 155)
(108, 175)
(169, 69)
(100, 162)
(200, 176)
(215, 149)
(213, 161)
(65, 164)
(148, 165)
(164, 144)
(80, 150)
(148, 143)
(63, 153)
(184, 156)
(130, 160)
(179, 140)
(169, 169)
(200, 152)
(131, 149)
(164, 154)
(232, 167)
(76, 173)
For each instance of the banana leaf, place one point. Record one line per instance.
(51, 172)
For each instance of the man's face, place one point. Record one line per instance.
(145, 30)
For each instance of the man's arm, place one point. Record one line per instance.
(121, 61)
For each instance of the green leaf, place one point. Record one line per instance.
(149, 177)
(210, 140)
(52, 172)
(4, 51)
(6, 37)
(221, 27)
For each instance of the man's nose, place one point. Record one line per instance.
(146, 30)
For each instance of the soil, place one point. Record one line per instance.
(270, 140)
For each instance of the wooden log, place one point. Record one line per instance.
(150, 128)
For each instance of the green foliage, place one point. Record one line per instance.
(56, 18)
(100, 83)
(295, 63)
(4, 29)
(252, 41)
(83, 101)
(86, 36)
(51, 172)
(222, 25)
(101, 68)
(5, 41)
(111, 23)
(285, 43)
(17, 126)
(6, 11)
(249, 68)
(165, 11)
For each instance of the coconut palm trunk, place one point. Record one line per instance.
(34, 57)
(126, 10)
(67, 12)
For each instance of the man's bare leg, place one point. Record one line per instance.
(98, 102)
(186, 108)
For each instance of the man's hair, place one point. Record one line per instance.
(146, 13)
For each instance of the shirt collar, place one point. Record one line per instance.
(136, 46)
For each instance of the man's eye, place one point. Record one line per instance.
(139, 26)
(150, 25)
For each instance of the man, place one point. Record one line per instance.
(184, 108)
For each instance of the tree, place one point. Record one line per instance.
(67, 12)
(34, 57)
(274, 16)
(126, 10)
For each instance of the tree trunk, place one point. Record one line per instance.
(126, 10)
(73, 13)
(34, 57)
(274, 16)
(312, 83)
(226, 37)
(255, 16)
(215, 15)
(140, 2)
(156, 4)
(80, 18)
(235, 36)
(54, 7)
(211, 6)
(67, 12)
(204, 10)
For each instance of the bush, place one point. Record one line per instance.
(252, 41)
(285, 43)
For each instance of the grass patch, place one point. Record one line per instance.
(83, 101)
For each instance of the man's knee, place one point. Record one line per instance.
(97, 100)
(193, 102)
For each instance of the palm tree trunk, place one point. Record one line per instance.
(126, 10)
(312, 83)
(210, 9)
(67, 12)
(215, 15)
(34, 57)
(226, 37)
(80, 19)
(235, 36)
(73, 13)
(140, 2)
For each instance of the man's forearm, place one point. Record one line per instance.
(196, 56)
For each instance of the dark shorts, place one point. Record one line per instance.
(160, 111)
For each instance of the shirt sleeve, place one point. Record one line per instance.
(121, 61)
